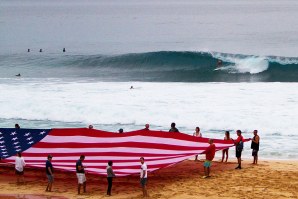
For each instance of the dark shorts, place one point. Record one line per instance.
(20, 173)
(238, 153)
(50, 178)
(143, 181)
(255, 152)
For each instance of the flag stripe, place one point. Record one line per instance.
(160, 149)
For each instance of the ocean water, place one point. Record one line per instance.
(168, 51)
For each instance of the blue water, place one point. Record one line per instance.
(162, 66)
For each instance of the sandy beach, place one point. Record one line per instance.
(268, 179)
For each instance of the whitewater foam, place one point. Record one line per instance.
(242, 63)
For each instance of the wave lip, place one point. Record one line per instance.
(243, 64)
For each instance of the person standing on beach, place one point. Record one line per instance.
(197, 133)
(146, 127)
(17, 126)
(80, 169)
(239, 147)
(226, 151)
(143, 177)
(110, 176)
(49, 172)
(173, 128)
(210, 153)
(255, 143)
(120, 130)
(19, 168)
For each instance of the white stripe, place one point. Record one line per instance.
(104, 171)
(138, 138)
(119, 164)
(114, 150)
(114, 158)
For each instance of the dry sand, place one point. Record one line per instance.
(269, 179)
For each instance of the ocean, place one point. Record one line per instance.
(169, 52)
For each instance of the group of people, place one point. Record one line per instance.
(225, 152)
(80, 173)
(40, 50)
(172, 129)
(121, 129)
(255, 143)
(210, 151)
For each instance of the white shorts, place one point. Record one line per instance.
(81, 178)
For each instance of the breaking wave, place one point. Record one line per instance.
(162, 66)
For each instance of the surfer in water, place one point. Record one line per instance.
(18, 75)
(219, 63)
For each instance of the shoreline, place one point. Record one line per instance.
(268, 179)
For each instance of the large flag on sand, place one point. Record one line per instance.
(160, 149)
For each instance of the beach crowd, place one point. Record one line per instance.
(80, 168)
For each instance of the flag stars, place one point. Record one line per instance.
(27, 134)
(13, 141)
(13, 133)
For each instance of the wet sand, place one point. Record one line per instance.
(269, 179)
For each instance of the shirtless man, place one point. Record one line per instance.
(255, 142)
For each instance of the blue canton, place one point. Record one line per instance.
(14, 140)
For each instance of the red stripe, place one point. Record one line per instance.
(156, 134)
(122, 144)
(141, 148)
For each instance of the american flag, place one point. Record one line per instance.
(160, 149)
